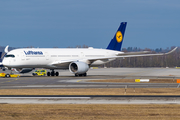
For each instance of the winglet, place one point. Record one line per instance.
(6, 49)
(171, 51)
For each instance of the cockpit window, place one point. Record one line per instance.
(10, 55)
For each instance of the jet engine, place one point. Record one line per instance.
(23, 70)
(78, 68)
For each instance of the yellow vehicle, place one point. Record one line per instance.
(2, 74)
(9, 75)
(14, 75)
(41, 72)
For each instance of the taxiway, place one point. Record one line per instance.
(67, 80)
(89, 99)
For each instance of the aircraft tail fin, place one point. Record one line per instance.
(1, 60)
(2, 55)
(116, 42)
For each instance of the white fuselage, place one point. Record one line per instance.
(46, 57)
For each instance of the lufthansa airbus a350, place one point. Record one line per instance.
(77, 60)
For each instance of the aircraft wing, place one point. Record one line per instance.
(138, 55)
(122, 55)
(62, 62)
(132, 54)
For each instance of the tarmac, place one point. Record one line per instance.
(90, 99)
(67, 80)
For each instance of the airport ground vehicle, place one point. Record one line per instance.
(9, 75)
(2, 74)
(40, 72)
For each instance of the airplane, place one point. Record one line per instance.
(77, 60)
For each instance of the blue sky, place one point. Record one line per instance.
(67, 23)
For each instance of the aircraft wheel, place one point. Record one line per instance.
(52, 73)
(7, 75)
(48, 73)
(80, 75)
(76, 75)
(85, 74)
(57, 73)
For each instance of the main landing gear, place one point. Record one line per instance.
(52, 73)
(80, 75)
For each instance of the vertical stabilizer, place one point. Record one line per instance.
(116, 42)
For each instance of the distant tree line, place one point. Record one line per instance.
(171, 60)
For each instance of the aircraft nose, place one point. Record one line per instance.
(5, 62)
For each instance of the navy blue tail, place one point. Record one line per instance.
(1, 60)
(0, 54)
(116, 42)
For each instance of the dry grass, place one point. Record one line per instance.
(133, 80)
(88, 112)
(95, 91)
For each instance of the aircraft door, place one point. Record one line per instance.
(47, 55)
(22, 56)
(82, 55)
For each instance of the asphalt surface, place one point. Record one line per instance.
(67, 80)
(85, 99)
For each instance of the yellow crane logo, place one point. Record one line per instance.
(119, 36)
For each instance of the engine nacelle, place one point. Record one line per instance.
(23, 70)
(78, 67)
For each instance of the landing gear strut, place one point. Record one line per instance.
(79, 75)
(52, 73)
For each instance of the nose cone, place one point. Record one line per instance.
(5, 63)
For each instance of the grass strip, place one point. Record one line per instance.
(94, 91)
(88, 112)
